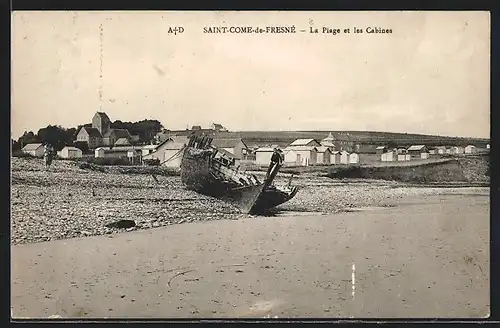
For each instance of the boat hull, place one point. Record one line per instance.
(201, 173)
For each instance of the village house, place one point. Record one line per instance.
(416, 151)
(235, 146)
(70, 152)
(34, 149)
(101, 133)
(122, 142)
(218, 127)
(323, 155)
(169, 152)
(304, 155)
(470, 149)
(91, 136)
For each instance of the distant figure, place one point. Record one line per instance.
(276, 158)
(47, 155)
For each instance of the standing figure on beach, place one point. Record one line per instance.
(47, 155)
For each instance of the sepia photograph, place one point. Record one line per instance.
(250, 164)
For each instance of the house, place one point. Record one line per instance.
(305, 142)
(448, 150)
(196, 127)
(70, 152)
(218, 127)
(416, 151)
(235, 146)
(381, 149)
(90, 135)
(263, 155)
(424, 155)
(34, 149)
(457, 150)
(433, 151)
(401, 150)
(122, 142)
(389, 156)
(470, 149)
(169, 152)
(111, 136)
(335, 157)
(353, 158)
(488, 146)
(344, 157)
(323, 155)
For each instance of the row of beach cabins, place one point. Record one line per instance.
(301, 152)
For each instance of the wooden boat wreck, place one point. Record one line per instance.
(208, 171)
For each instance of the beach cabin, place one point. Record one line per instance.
(470, 149)
(34, 149)
(388, 156)
(323, 155)
(353, 158)
(263, 155)
(304, 155)
(70, 152)
(335, 158)
(344, 157)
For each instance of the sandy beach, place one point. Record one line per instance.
(428, 257)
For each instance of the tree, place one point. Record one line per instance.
(82, 145)
(145, 129)
(15, 145)
(27, 138)
(54, 135)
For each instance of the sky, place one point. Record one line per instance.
(431, 75)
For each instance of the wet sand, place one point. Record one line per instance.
(426, 258)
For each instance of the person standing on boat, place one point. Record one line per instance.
(276, 158)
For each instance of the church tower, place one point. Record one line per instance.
(101, 122)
